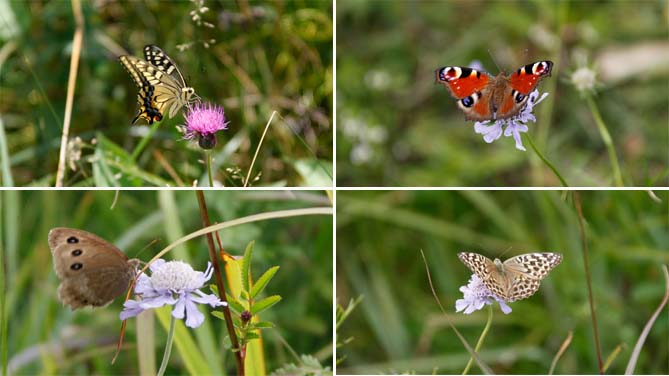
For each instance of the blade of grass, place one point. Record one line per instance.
(253, 161)
(561, 351)
(586, 265)
(484, 367)
(644, 334)
(71, 82)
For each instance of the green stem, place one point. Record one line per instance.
(480, 341)
(549, 164)
(606, 137)
(211, 178)
(168, 347)
(142, 143)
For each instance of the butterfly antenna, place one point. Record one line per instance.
(493, 60)
(154, 241)
(507, 250)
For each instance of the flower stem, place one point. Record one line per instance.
(142, 143)
(549, 164)
(204, 215)
(211, 178)
(606, 137)
(168, 347)
(480, 341)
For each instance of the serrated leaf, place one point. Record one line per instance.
(265, 303)
(246, 266)
(263, 281)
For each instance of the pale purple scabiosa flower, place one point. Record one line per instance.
(514, 125)
(476, 295)
(203, 120)
(172, 283)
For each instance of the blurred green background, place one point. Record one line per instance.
(257, 57)
(47, 338)
(398, 326)
(396, 127)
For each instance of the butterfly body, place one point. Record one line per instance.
(514, 279)
(93, 271)
(483, 97)
(162, 88)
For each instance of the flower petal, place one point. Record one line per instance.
(131, 308)
(194, 317)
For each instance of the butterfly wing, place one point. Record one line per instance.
(470, 87)
(478, 264)
(148, 107)
(513, 92)
(159, 59)
(526, 271)
(533, 265)
(92, 270)
(526, 78)
(169, 94)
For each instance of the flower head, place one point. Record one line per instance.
(172, 283)
(514, 125)
(584, 79)
(476, 295)
(203, 120)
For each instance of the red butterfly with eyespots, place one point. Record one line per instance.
(483, 97)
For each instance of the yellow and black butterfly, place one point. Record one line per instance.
(162, 88)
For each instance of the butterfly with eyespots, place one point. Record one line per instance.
(484, 97)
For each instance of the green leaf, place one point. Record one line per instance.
(246, 265)
(262, 325)
(252, 335)
(265, 303)
(218, 314)
(113, 167)
(263, 281)
(235, 305)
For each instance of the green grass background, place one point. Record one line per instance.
(398, 326)
(396, 127)
(45, 337)
(265, 56)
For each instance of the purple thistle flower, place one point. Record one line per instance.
(476, 295)
(514, 125)
(172, 283)
(203, 120)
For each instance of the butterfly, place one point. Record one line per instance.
(483, 97)
(514, 279)
(162, 88)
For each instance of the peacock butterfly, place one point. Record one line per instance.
(483, 97)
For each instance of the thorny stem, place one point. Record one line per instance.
(204, 214)
(480, 341)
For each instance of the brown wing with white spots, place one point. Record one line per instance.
(478, 264)
(533, 265)
(522, 288)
